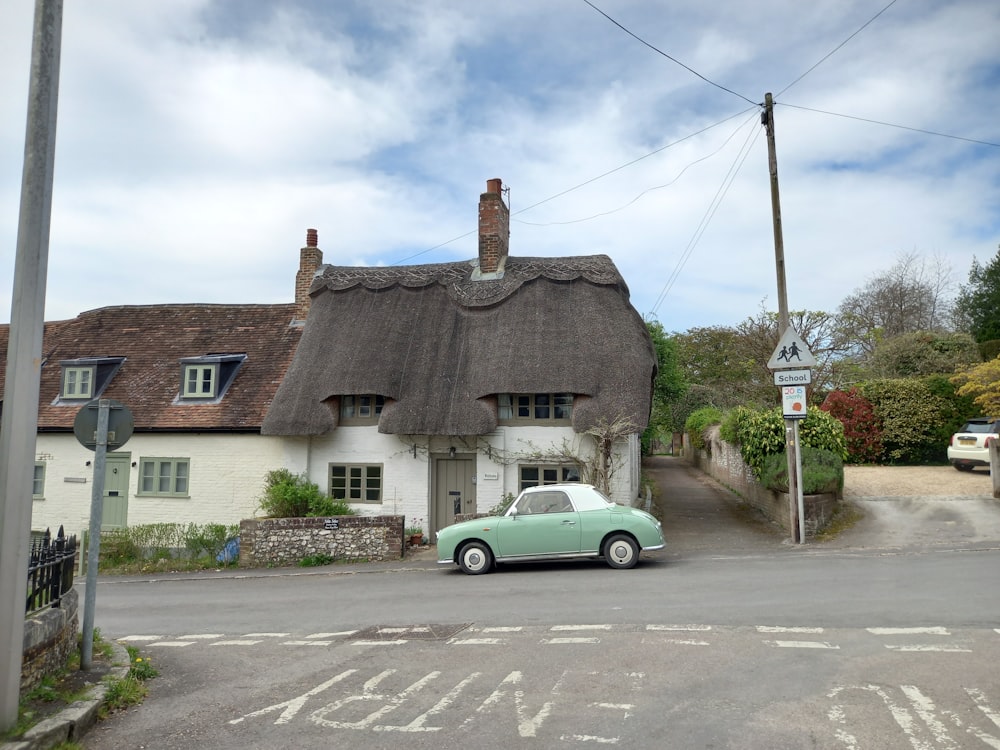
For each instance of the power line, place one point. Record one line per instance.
(713, 207)
(835, 49)
(672, 59)
(891, 125)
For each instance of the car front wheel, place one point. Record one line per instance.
(475, 558)
(621, 551)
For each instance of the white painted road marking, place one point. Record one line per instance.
(802, 644)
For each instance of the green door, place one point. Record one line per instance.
(454, 491)
(116, 475)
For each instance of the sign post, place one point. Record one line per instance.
(99, 424)
(792, 351)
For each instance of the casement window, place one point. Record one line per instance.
(78, 383)
(86, 378)
(208, 378)
(533, 476)
(164, 476)
(534, 407)
(38, 483)
(199, 381)
(364, 409)
(356, 484)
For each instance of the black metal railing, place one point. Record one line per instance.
(50, 570)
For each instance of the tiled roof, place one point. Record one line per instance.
(153, 339)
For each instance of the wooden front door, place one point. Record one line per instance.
(454, 490)
(116, 476)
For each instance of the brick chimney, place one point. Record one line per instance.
(310, 259)
(494, 230)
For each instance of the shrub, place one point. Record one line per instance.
(761, 433)
(288, 495)
(699, 421)
(862, 429)
(822, 471)
(911, 414)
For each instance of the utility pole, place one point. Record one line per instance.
(796, 521)
(24, 349)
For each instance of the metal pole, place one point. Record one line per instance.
(94, 536)
(24, 349)
(791, 429)
(799, 499)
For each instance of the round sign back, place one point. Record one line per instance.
(120, 424)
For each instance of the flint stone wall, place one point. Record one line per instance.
(279, 542)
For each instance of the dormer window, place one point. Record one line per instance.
(206, 379)
(364, 409)
(86, 378)
(534, 407)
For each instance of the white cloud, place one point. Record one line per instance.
(198, 139)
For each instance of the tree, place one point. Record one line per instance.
(911, 296)
(669, 386)
(862, 430)
(923, 353)
(977, 307)
(982, 383)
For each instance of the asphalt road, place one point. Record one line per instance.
(729, 638)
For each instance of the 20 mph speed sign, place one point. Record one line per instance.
(793, 401)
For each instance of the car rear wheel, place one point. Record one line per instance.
(475, 558)
(621, 551)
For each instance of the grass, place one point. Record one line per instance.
(845, 518)
(70, 684)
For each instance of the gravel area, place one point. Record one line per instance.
(915, 481)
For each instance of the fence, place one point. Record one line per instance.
(50, 570)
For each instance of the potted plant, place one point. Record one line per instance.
(415, 533)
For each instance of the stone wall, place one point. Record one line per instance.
(723, 462)
(49, 638)
(277, 542)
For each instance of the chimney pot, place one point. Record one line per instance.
(312, 238)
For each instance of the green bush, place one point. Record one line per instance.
(699, 421)
(288, 495)
(912, 412)
(163, 541)
(822, 471)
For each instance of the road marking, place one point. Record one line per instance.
(516, 629)
(581, 627)
(172, 644)
(565, 641)
(679, 627)
(684, 642)
(908, 631)
(802, 644)
(142, 638)
(242, 642)
(306, 643)
(940, 649)
(324, 636)
(378, 643)
(778, 629)
(266, 635)
(202, 637)
(478, 642)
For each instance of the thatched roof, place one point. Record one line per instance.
(440, 345)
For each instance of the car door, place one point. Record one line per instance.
(545, 524)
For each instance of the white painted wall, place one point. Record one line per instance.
(226, 482)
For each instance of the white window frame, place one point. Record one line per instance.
(364, 408)
(164, 470)
(534, 408)
(547, 474)
(38, 481)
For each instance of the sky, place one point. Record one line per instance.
(197, 141)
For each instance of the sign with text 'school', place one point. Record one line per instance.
(791, 351)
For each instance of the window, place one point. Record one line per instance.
(199, 381)
(208, 378)
(532, 476)
(533, 407)
(78, 382)
(38, 485)
(356, 484)
(164, 476)
(361, 409)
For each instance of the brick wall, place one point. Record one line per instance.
(267, 542)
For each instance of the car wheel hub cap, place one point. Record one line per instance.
(474, 559)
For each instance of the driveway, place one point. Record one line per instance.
(897, 508)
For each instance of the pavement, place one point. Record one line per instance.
(700, 517)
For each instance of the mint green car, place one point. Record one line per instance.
(552, 522)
